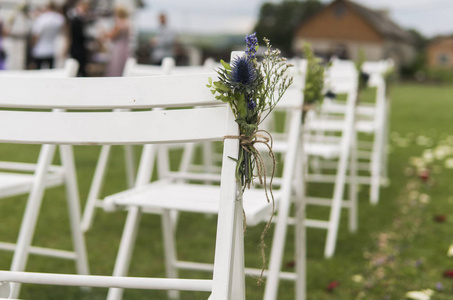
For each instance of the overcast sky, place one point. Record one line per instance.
(431, 17)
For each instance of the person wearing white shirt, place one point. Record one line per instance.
(45, 31)
(163, 43)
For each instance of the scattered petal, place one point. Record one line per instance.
(428, 156)
(422, 140)
(332, 286)
(448, 273)
(440, 218)
(413, 195)
(424, 175)
(449, 163)
(409, 172)
(357, 278)
(424, 198)
(450, 251)
(290, 264)
(418, 263)
(439, 286)
(420, 295)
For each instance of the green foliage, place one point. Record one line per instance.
(419, 39)
(358, 64)
(417, 65)
(314, 82)
(441, 75)
(251, 103)
(278, 21)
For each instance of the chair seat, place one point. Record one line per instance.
(12, 184)
(325, 150)
(362, 109)
(189, 198)
(364, 126)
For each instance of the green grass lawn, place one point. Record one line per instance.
(399, 246)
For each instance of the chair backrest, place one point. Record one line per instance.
(69, 69)
(102, 93)
(86, 127)
(341, 77)
(132, 68)
(168, 66)
(111, 93)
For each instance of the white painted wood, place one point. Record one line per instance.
(342, 77)
(108, 281)
(372, 119)
(107, 93)
(110, 127)
(131, 69)
(173, 194)
(39, 177)
(179, 125)
(69, 70)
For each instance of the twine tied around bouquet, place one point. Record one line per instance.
(248, 144)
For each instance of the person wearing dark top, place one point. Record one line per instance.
(77, 48)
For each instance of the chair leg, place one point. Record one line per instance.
(278, 247)
(353, 191)
(5, 289)
(125, 251)
(30, 217)
(238, 290)
(384, 150)
(279, 238)
(129, 161)
(335, 210)
(72, 195)
(300, 239)
(228, 276)
(376, 168)
(300, 248)
(96, 186)
(168, 233)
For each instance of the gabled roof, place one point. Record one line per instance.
(380, 21)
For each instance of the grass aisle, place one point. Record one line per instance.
(401, 244)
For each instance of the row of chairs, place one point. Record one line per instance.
(162, 196)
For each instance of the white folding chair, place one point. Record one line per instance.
(319, 143)
(142, 127)
(69, 69)
(23, 178)
(377, 71)
(131, 69)
(289, 144)
(173, 192)
(371, 120)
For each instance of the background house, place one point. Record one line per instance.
(439, 52)
(344, 28)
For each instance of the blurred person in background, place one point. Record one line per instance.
(19, 33)
(119, 47)
(77, 20)
(2, 51)
(45, 30)
(163, 43)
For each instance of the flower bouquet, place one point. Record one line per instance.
(252, 89)
(314, 82)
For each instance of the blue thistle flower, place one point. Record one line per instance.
(242, 72)
(251, 104)
(252, 44)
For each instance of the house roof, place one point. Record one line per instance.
(380, 21)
